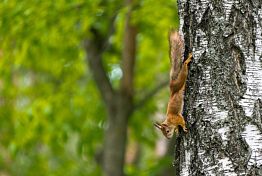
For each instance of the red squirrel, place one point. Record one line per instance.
(174, 116)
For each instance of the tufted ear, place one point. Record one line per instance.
(158, 125)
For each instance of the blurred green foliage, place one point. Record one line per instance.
(51, 114)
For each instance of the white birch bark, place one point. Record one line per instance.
(224, 89)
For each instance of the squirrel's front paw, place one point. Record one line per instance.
(185, 130)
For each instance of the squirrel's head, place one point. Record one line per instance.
(167, 130)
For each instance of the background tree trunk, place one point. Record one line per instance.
(116, 133)
(223, 106)
(169, 170)
(119, 103)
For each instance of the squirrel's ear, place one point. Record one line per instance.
(158, 125)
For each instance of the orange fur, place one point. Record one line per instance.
(174, 116)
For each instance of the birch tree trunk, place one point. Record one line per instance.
(224, 88)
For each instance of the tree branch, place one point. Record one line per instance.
(94, 47)
(151, 93)
(129, 54)
(94, 59)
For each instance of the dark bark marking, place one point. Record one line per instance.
(204, 23)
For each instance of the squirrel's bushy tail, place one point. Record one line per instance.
(176, 44)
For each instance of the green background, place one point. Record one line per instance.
(52, 117)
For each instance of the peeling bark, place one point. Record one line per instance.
(224, 89)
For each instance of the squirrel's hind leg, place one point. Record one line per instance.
(183, 123)
(189, 58)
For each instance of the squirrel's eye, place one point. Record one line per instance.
(167, 131)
